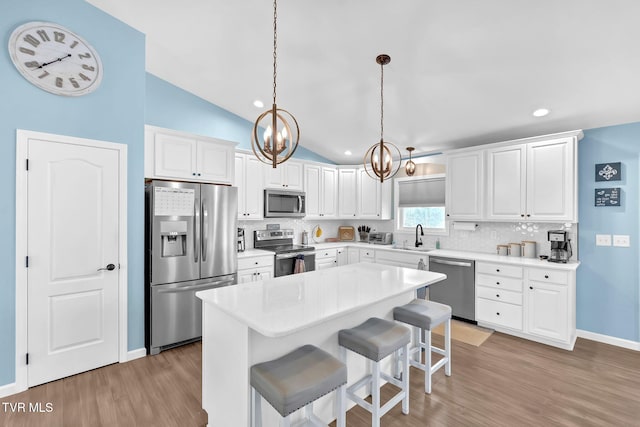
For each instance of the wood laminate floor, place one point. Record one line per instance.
(505, 382)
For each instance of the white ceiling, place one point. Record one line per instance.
(462, 72)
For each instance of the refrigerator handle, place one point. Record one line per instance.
(196, 243)
(205, 229)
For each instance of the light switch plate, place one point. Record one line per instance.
(603, 239)
(621, 240)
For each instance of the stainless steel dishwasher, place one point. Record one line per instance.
(458, 289)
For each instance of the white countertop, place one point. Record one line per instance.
(249, 253)
(288, 304)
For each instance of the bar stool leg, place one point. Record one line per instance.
(427, 361)
(405, 379)
(447, 347)
(256, 410)
(375, 394)
(341, 406)
(417, 339)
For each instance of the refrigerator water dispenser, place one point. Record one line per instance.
(174, 238)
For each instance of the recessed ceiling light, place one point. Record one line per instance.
(541, 112)
(258, 104)
(347, 153)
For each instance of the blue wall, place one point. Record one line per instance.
(171, 107)
(608, 292)
(115, 112)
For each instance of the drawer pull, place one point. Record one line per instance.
(546, 276)
(498, 270)
(256, 262)
(497, 283)
(498, 314)
(498, 295)
(530, 287)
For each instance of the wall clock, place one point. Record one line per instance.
(55, 59)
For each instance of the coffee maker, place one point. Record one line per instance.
(560, 245)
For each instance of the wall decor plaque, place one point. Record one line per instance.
(608, 171)
(607, 196)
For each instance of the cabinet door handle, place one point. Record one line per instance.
(528, 215)
(498, 314)
(522, 215)
(546, 276)
(497, 270)
(498, 295)
(497, 283)
(530, 287)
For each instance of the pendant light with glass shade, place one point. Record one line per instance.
(282, 134)
(410, 166)
(378, 160)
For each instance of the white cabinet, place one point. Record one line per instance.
(533, 182)
(400, 259)
(249, 180)
(367, 255)
(176, 155)
(353, 255)
(251, 269)
(374, 198)
(347, 193)
(548, 305)
(321, 185)
(287, 175)
(529, 302)
(326, 258)
(342, 256)
(464, 185)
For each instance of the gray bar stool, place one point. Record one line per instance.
(426, 315)
(296, 380)
(376, 339)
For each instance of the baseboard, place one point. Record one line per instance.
(8, 390)
(607, 339)
(136, 354)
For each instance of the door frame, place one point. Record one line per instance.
(22, 139)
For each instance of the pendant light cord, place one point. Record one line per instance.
(381, 100)
(275, 46)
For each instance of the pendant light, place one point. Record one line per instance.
(378, 160)
(410, 166)
(280, 138)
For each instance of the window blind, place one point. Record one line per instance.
(427, 192)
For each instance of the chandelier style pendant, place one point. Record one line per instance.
(378, 160)
(281, 135)
(410, 166)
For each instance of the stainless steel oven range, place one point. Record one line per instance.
(286, 253)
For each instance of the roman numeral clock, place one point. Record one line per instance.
(55, 59)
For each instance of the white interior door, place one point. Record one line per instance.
(73, 234)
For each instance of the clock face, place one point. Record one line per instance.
(55, 59)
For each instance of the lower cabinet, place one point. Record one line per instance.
(353, 255)
(533, 303)
(342, 256)
(252, 269)
(400, 259)
(326, 258)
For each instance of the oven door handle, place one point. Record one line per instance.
(293, 255)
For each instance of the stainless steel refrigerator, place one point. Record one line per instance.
(191, 238)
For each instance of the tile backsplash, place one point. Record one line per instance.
(484, 239)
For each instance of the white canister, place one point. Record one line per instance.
(529, 248)
(502, 249)
(515, 249)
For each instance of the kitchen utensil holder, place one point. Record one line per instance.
(364, 237)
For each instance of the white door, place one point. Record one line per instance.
(312, 177)
(329, 189)
(347, 193)
(547, 310)
(254, 191)
(506, 183)
(174, 156)
(464, 186)
(368, 196)
(73, 234)
(214, 162)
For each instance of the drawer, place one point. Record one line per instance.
(257, 261)
(367, 255)
(499, 313)
(499, 295)
(552, 276)
(498, 282)
(499, 270)
(326, 253)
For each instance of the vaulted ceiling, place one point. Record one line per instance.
(462, 72)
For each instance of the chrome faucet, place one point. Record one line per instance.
(419, 240)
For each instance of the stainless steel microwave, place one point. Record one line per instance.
(284, 204)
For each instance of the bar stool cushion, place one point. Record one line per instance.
(298, 378)
(375, 339)
(423, 314)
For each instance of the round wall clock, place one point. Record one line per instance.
(55, 59)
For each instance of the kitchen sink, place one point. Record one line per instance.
(411, 248)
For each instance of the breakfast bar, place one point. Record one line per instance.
(259, 321)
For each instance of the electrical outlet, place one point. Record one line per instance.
(621, 240)
(603, 239)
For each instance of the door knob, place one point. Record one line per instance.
(109, 267)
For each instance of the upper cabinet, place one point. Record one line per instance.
(249, 180)
(321, 187)
(177, 155)
(464, 185)
(287, 175)
(347, 192)
(533, 182)
(374, 197)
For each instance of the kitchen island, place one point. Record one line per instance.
(258, 321)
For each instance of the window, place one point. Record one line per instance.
(421, 200)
